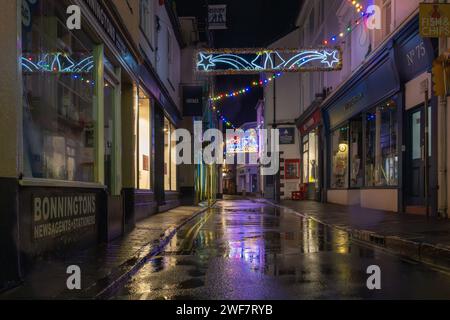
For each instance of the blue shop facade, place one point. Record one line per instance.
(377, 154)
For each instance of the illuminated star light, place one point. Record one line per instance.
(208, 60)
(330, 58)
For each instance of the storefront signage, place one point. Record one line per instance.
(434, 20)
(59, 215)
(102, 18)
(287, 135)
(415, 56)
(192, 101)
(370, 90)
(311, 123)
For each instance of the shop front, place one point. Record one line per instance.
(363, 138)
(414, 56)
(158, 120)
(310, 126)
(378, 153)
(66, 142)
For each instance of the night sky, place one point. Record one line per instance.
(251, 23)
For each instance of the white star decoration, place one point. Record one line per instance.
(330, 58)
(205, 62)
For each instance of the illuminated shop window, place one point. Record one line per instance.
(144, 141)
(170, 167)
(339, 160)
(58, 90)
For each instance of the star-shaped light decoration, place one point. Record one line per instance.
(330, 58)
(205, 62)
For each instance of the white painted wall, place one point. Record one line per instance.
(168, 56)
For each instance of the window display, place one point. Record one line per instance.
(310, 157)
(170, 167)
(381, 142)
(356, 149)
(144, 141)
(58, 90)
(339, 163)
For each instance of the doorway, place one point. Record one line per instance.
(416, 170)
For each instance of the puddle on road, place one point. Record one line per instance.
(265, 240)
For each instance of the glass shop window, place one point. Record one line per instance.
(356, 153)
(144, 141)
(109, 134)
(305, 177)
(339, 160)
(310, 157)
(382, 149)
(58, 86)
(170, 167)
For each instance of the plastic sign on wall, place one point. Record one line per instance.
(434, 20)
(251, 61)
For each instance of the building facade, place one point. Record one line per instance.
(363, 129)
(90, 115)
(281, 108)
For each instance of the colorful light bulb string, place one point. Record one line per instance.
(350, 28)
(247, 89)
(222, 118)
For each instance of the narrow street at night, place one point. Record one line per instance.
(242, 156)
(249, 250)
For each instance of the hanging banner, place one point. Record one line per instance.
(252, 61)
(434, 20)
(217, 17)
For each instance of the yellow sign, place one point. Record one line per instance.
(434, 20)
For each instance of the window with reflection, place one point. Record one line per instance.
(58, 90)
(381, 144)
(356, 153)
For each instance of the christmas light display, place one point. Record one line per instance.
(58, 63)
(250, 61)
(334, 39)
(245, 143)
(247, 89)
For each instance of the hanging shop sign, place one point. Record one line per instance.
(192, 101)
(287, 135)
(434, 20)
(310, 124)
(217, 17)
(251, 61)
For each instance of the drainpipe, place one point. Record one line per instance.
(442, 140)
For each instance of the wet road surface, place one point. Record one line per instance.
(247, 250)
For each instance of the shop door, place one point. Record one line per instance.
(254, 183)
(415, 161)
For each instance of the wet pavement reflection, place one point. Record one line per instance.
(250, 250)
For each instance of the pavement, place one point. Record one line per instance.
(105, 266)
(249, 250)
(412, 236)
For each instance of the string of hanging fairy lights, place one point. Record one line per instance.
(225, 121)
(351, 27)
(245, 90)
